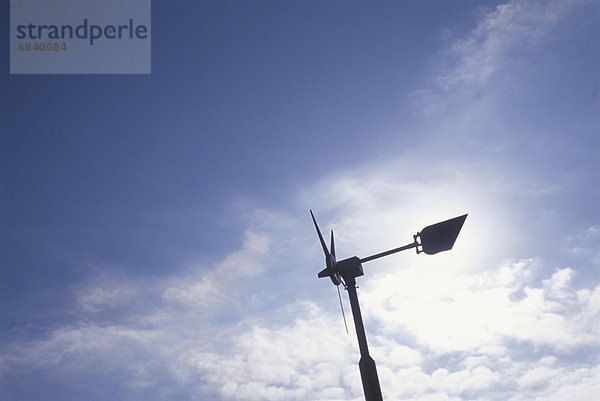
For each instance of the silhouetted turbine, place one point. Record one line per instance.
(434, 238)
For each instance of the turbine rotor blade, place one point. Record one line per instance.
(332, 245)
(342, 307)
(320, 236)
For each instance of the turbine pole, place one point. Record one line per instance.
(368, 370)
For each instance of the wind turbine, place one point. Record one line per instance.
(433, 239)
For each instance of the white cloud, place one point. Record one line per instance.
(215, 288)
(439, 334)
(542, 383)
(586, 244)
(448, 311)
(285, 362)
(513, 30)
(436, 333)
(105, 295)
(539, 376)
(85, 348)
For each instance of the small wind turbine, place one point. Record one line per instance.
(433, 239)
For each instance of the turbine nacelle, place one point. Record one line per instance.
(337, 270)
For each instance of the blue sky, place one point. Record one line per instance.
(156, 241)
